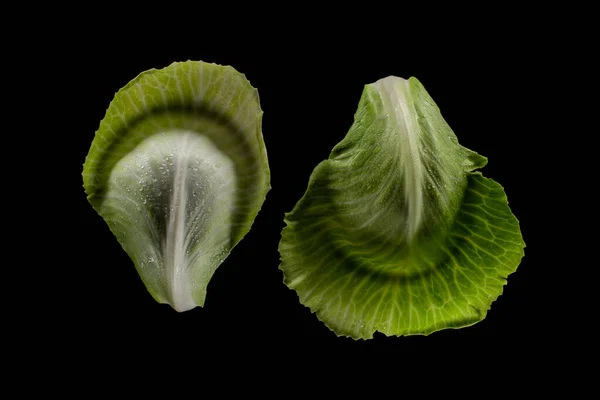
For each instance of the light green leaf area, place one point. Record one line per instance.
(397, 232)
(178, 170)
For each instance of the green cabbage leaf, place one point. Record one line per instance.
(398, 231)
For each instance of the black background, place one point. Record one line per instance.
(309, 85)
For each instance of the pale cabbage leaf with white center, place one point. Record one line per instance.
(178, 170)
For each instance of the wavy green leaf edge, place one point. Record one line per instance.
(397, 232)
(178, 169)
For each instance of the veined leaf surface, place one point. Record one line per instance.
(178, 170)
(397, 232)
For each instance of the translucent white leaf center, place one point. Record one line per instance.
(177, 190)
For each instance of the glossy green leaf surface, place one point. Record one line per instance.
(397, 232)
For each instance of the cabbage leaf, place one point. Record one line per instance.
(178, 170)
(397, 231)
